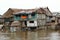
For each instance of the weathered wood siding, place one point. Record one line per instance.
(58, 20)
(1, 20)
(41, 19)
(6, 20)
(41, 22)
(48, 19)
(41, 16)
(29, 17)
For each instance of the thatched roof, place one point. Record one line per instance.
(11, 11)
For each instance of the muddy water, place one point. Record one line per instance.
(31, 35)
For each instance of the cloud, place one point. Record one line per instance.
(25, 4)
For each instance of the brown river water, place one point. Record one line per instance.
(31, 35)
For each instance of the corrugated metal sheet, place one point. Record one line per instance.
(15, 23)
(11, 11)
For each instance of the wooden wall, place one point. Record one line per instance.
(41, 19)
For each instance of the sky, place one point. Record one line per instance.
(53, 5)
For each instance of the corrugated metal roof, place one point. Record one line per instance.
(15, 23)
(11, 11)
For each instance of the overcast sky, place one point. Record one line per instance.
(53, 5)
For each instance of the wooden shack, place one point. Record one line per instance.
(9, 17)
(57, 21)
(44, 17)
(28, 17)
